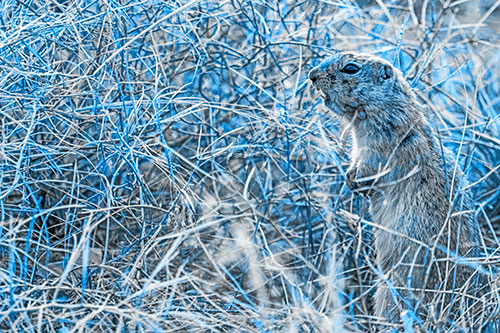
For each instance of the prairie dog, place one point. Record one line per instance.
(426, 230)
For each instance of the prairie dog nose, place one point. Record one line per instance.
(314, 74)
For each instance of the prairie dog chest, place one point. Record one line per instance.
(363, 152)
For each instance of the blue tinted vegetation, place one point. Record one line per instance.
(166, 165)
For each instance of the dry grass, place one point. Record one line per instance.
(164, 166)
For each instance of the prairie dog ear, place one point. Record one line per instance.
(386, 72)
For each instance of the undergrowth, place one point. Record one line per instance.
(166, 166)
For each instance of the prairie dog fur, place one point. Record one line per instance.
(416, 190)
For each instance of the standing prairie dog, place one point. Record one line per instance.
(425, 228)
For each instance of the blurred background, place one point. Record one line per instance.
(166, 166)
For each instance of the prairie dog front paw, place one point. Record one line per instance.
(355, 182)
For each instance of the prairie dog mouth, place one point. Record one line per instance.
(324, 95)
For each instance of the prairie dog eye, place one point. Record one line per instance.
(350, 69)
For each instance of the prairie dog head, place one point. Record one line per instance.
(360, 86)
